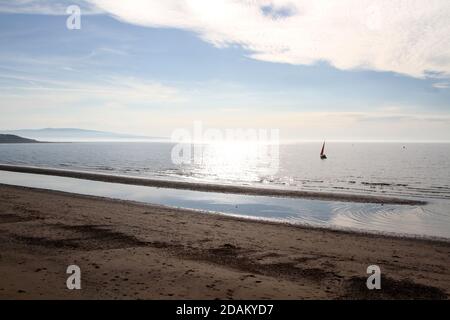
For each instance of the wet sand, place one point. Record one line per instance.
(130, 250)
(208, 187)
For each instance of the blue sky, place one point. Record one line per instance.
(129, 72)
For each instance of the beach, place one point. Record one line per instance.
(130, 250)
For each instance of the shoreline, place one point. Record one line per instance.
(246, 219)
(209, 187)
(129, 250)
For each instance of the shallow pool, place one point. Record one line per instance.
(426, 220)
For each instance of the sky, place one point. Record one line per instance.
(335, 70)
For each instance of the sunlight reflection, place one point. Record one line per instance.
(241, 161)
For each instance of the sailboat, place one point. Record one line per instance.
(322, 153)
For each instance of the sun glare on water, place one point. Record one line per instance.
(236, 161)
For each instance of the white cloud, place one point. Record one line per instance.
(122, 104)
(124, 91)
(441, 85)
(410, 37)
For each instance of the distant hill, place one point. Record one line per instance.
(10, 138)
(74, 134)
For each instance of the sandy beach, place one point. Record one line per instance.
(130, 250)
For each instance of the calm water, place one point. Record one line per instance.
(407, 170)
(393, 219)
(420, 171)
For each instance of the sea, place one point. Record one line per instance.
(418, 171)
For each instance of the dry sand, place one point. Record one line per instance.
(129, 250)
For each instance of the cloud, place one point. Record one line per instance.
(113, 91)
(410, 37)
(117, 103)
(441, 85)
(351, 126)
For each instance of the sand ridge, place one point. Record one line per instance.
(208, 187)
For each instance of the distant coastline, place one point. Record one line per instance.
(11, 138)
(76, 135)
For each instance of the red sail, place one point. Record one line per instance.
(323, 149)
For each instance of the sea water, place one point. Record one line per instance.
(412, 170)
